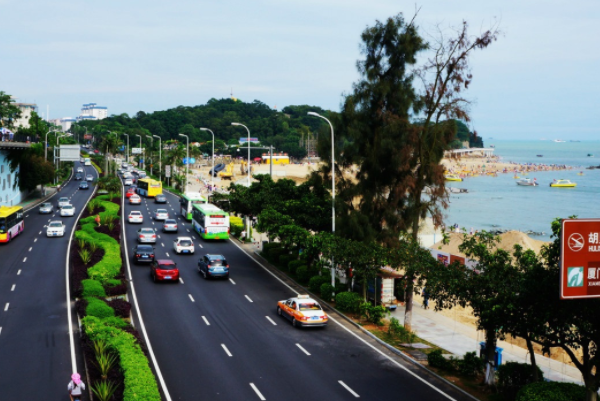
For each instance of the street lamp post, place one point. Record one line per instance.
(248, 166)
(312, 113)
(46, 147)
(159, 157)
(212, 174)
(127, 148)
(187, 156)
(141, 154)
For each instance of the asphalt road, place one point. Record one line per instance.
(222, 339)
(35, 358)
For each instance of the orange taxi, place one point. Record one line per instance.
(303, 311)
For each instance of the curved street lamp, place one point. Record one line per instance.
(212, 175)
(187, 156)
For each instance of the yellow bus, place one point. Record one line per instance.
(11, 222)
(149, 187)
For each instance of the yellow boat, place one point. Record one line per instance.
(452, 177)
(563, 184)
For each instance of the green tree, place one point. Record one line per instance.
(8, 111)
(33, 169)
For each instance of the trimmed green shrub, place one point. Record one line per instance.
(348, 301)
(512, 376)
(326, 291)
(274, 254)
(552, 391)
(400, 332)
(267, 246)
(98, 308)
(112, 282)
(140, 383)
(283, 261)
(93, 288)
(470, 364)
(302, 274)
(294, 265)
(436, 360)
(314, 284)
(373, 314)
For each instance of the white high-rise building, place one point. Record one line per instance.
(91, 111)
(26, 110)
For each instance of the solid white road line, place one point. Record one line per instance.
(416, 376)
(13, 287)
(248, 298)
(232, 282)
(302, 349)
(205, 320)
(25, 259)
(349, 389)
(19, 272)
(271, 320)
(191, 297)
(257, 392)
(6, 307)
(226, 350)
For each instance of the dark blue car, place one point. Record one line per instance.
(213, 266)
(84, 185)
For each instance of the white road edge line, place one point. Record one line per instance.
(248, 298)
(271, 320)
(302, 349)
(205, 320)
(192, 298)
(258, 393)
(137, 308)
(349, 389)
(226, 350)
(352, 333)
(232, 282)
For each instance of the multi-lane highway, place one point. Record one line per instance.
(35, 357)
(222, 339)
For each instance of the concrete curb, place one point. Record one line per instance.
(45, 198)
(391, 348)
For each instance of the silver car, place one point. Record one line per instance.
(161, 214)
(170, 225)
(89, 177)
(62, 201)
(146, 235)
(46, 207)
(67, 210)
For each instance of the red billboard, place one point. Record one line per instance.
(580, 259)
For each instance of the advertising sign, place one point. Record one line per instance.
(167, 171)
(136, 151)
(191, 161)
(69, 153)
(580, 259)
(245, 140)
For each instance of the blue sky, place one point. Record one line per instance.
(540, 80)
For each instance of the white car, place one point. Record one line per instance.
(161, 214)
(89, 177)
(135, 200)
(67, 210)
(62, 201)
(128, 181)
(183, 245)
(135, 216)
(55, 229)
(80, 169)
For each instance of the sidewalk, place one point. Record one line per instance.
(35, 198)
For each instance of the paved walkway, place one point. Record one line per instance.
(36, 198)
(447, 333)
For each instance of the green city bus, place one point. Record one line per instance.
(187, 200)
(210, 222)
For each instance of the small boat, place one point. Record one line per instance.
(559, 141)
(528, 182)
(540, 155)
(452, 177)
(563, 184)
(590, 155)
(580, 173)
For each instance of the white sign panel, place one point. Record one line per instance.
(167, 171)
(69, 153)
(136, 151)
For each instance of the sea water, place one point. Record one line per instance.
(498, 203)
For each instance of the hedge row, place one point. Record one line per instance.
(140, 383)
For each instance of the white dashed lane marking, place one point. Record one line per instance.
(248, 298)
(24, 259)
(205, 320)
(349, 389)
(13, 287)
(226, 350)
(258, 393)
(180, 280)
(6, 307)
(271, 320)
(30, 248)
(19, 272)
(192, 298)
(35, 240)
(302, 349)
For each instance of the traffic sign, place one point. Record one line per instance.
(167, 171)
(580, 259)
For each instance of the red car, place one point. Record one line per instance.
(163, 270)
(129, 193)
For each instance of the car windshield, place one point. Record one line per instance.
(170, 221)
(63, 200)
(44, 205)
(67, 207)
(144, 248)
(217, 262)
(147, 231)
(135, 213)
(55, 224)
(185, 242)
(310, 306)
(161, 211)
(167, 266)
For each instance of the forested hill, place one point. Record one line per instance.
(282, 129)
